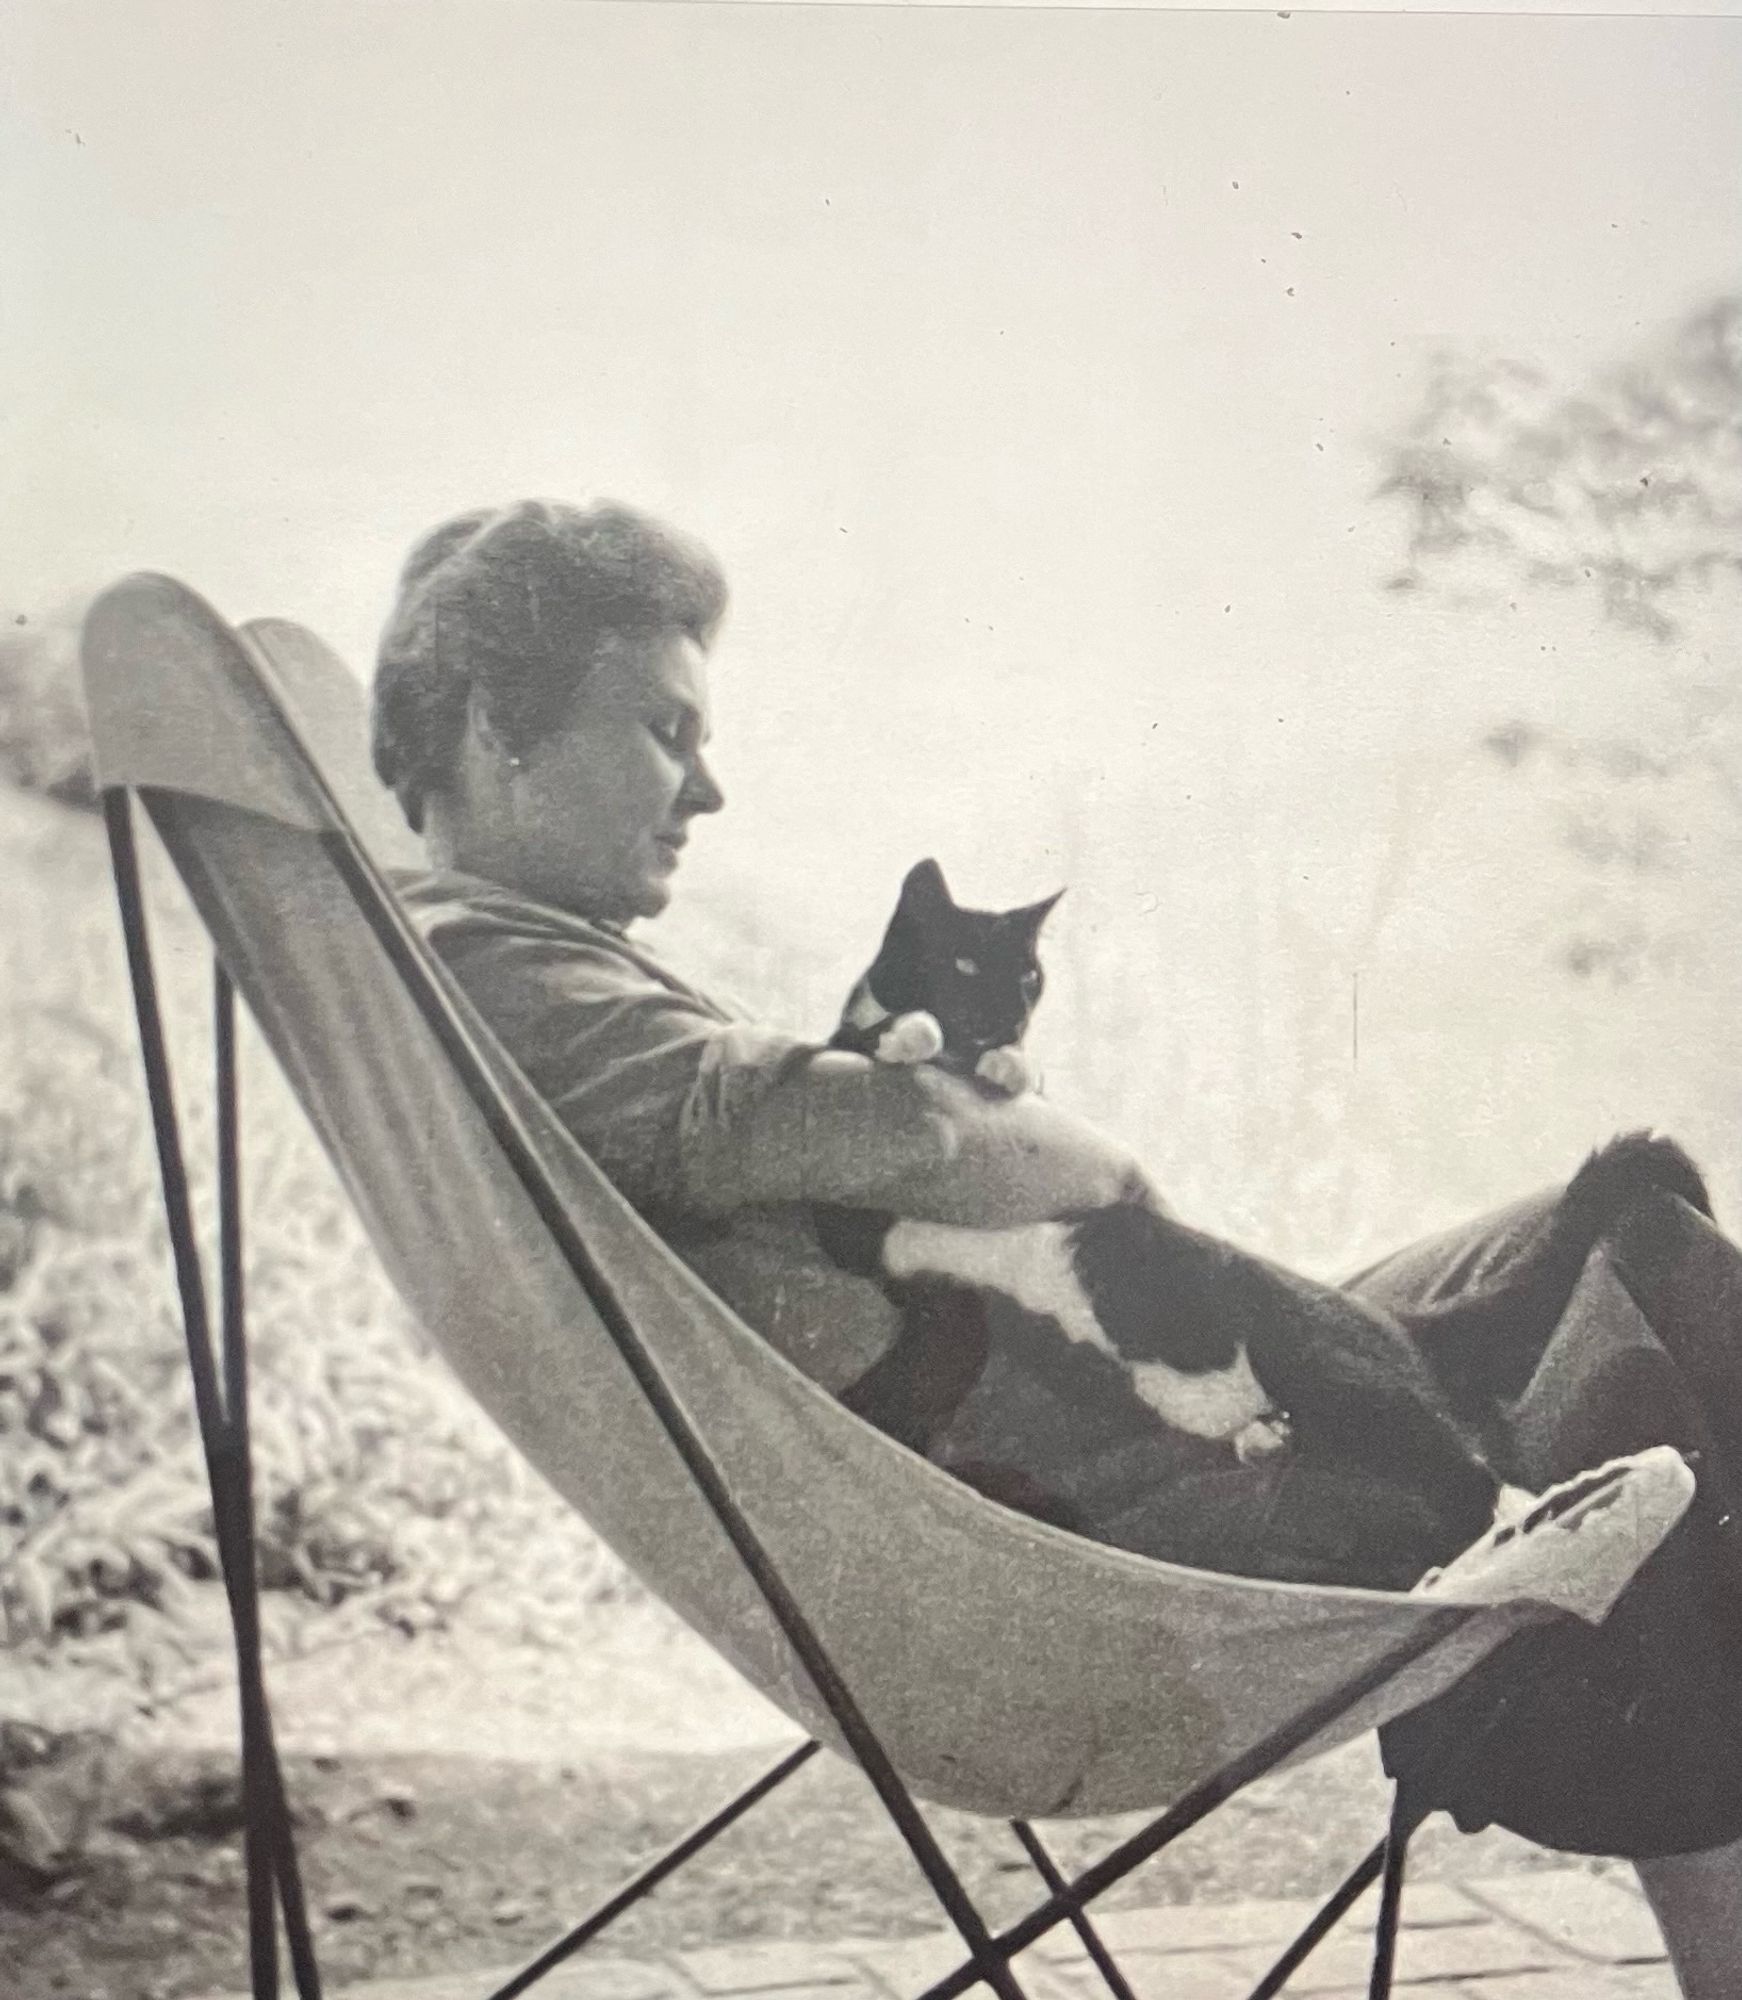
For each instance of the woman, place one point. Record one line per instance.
(541, 713)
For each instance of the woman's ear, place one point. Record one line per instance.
(484, 733)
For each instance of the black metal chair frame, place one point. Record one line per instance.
(220, 1381)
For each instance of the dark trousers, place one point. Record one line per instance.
(1623, 1738)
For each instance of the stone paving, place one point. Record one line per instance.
(1552, 1935)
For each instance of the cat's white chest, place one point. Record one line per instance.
(1030, 1265)
(1035, 1267)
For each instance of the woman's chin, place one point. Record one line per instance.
(652, 896)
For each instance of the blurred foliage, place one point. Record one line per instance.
(44, 743)
(382, 1496)
(1630, 488)
(1627, 491)
(373, 1478)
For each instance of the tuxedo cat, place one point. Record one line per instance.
(949, 986)
(957, 988)
(1214, 1341)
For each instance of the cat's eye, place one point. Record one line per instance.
(966, 967)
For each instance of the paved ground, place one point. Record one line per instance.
(1564, 1935)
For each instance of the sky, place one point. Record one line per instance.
(1028, 370)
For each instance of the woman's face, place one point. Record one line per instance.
(595, 817)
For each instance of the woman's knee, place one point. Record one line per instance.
(1685, 1277)
(1660, 1237)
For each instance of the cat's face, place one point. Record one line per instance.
(976, 971)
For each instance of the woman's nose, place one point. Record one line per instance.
(702, 793)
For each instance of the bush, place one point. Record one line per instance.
(44, 742)
(379, 1488)
(373, 1479)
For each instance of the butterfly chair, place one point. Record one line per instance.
(960, 1652)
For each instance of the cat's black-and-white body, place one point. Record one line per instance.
(1039, 1268)
(989, 960)
(1215, 1342)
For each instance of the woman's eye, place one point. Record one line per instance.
(966, 967)
(1031, 983)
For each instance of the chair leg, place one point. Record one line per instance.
(1200, 1801)
(1093, 1943)
(233, 1505)
(1404, 1822)
(650, 1877)
(270, 1844)
(218, 1404)
(1337, 1906)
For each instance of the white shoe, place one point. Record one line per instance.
(1577, 1546)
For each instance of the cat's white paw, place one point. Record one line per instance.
(911, 1038)
(1006, 1070)
(1263, 1436)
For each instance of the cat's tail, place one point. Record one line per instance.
(1486, 1342)
(1618, 1174)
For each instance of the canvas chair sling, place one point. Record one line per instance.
(961, 1653)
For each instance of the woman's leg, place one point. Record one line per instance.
(1629, 1736)
(1688, 1279)
(1697, 1900)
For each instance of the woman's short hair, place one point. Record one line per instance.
(511, 605)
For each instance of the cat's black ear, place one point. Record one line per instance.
(925, 888)
(1036, 914)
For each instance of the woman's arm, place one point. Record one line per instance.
(692, 1112)
(915, 1141)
